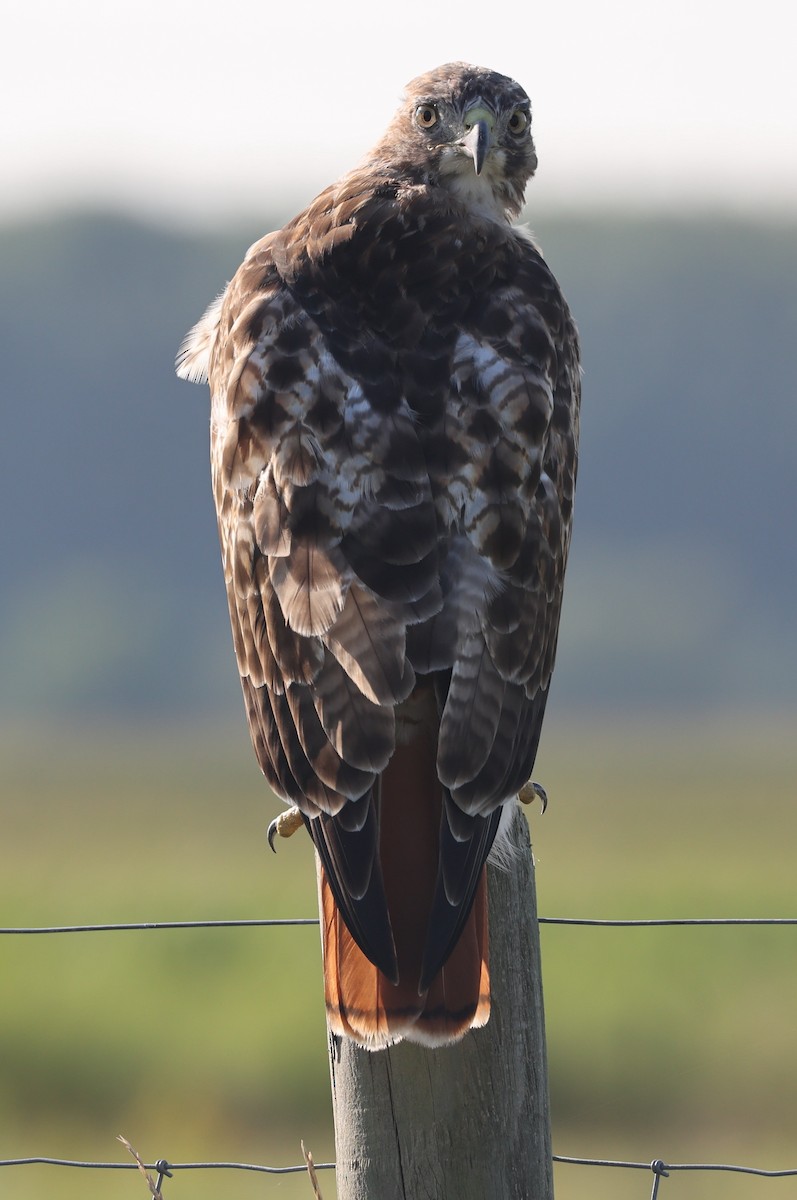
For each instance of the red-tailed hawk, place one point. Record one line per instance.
(395, 386)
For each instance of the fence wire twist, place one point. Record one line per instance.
(659, 1168)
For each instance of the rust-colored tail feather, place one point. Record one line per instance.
(361, 1002)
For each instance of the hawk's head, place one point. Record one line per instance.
(468, 129)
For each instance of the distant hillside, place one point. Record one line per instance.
(683, 573)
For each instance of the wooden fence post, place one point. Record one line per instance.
(466, 1122)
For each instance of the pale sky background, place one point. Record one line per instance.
(197, 111)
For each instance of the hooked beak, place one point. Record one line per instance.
(477, 141)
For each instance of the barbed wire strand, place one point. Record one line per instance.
(657, 1166)
(662, 1170)
(191, 1166)
(128, 926)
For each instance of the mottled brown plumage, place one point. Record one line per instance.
(395, 388)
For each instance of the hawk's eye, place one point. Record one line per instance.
(518, 122)
(426, 116)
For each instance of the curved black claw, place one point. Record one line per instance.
(541, 793)
(285, 825)
(533, 791)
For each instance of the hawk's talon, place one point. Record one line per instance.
(532, 791)
(285, 825)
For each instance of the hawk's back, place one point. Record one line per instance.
(395, 386)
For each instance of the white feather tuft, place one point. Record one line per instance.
(193, 357)
(506, 851)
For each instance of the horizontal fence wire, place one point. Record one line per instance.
(647, 923)
(657, 1167)
(623, 923)
(126, 926)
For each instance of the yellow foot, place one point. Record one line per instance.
(285, 825)
(533, 791)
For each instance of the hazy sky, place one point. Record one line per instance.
(199, 110)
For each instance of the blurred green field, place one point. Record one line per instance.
(210, 1045)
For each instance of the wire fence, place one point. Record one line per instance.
(658, 1168)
